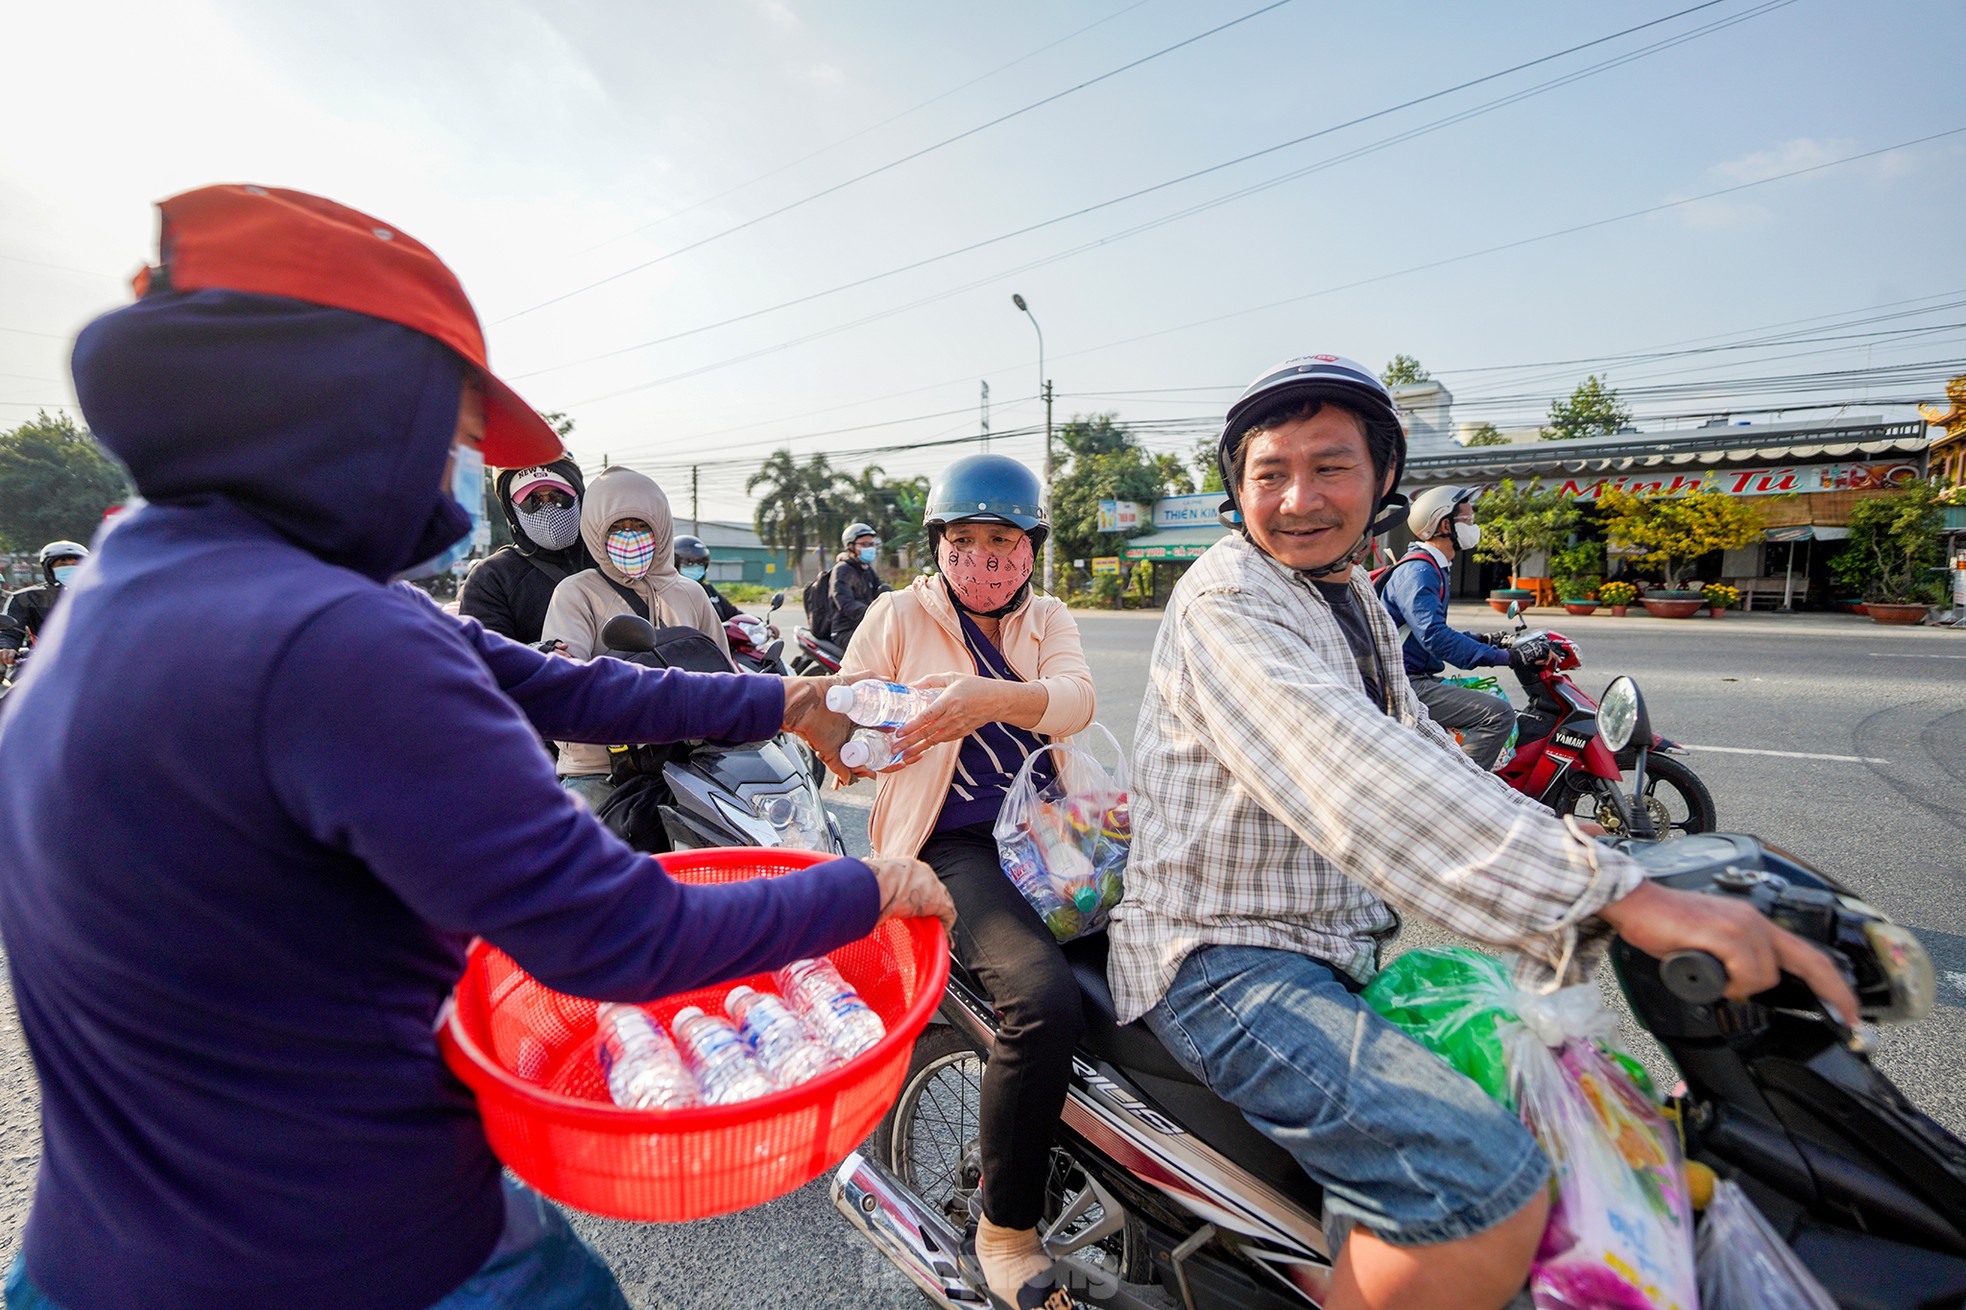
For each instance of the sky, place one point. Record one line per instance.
(704, 231)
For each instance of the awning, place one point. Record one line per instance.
(1174, 543)
(1808, 532)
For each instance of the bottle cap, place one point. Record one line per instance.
(855, 753)
(839, 699)
(736, 994)
(684, 1015)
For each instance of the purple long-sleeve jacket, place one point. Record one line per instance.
(255, 801)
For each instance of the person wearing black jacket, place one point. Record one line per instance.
(30, 606)
(693, 562)
(508, 592)
(853, 582)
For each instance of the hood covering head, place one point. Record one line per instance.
(622, 493)
(332, 428)
(563, 468)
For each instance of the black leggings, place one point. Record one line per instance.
(1001, 939)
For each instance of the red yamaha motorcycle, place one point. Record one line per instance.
(1561, 761)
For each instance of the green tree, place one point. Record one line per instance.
(1486, 435)
(1207, 465)
(1894, 547)
(1593, 410)
(55, 483)
(1519, 521)
(1673, 531)
(1107, 462)
(798, 506)
(1403, 370)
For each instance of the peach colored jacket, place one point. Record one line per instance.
(913, 633)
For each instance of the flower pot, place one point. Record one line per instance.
(1891, 612)
(1502, 597)
(1716, 611)
(1580, 606)
(1860, 608)
(1618, 611)
(1669, 608)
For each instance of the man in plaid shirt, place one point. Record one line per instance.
(1289, 790)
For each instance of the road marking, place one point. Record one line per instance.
(1893, 655)
(1787, 755)
(1956, 980)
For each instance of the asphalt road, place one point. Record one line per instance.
(1840, 740)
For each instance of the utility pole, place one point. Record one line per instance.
(695, 522)
(986, 417)
(1049, 537)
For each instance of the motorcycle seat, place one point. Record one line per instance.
(1128, 1045)
(824, 647)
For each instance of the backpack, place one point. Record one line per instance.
(677, 645)
(1384, 575)
(819, 606)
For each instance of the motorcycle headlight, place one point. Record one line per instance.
(1914, 983)
(795, 818)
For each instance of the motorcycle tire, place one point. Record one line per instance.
(940, 1097)
(1686, 808)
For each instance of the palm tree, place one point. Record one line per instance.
(784, 514)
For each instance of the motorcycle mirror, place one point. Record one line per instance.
(776, 600)
(629, 632)
(1515, 609)
(773, 651)
(1621, 716)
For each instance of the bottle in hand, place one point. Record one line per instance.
(643, 1069)
(726, 1069)
(789, 1053)
(869, 749)
(874, 704)
(829, 1007)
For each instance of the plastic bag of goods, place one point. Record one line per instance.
(1064, 841)
(1620, 1232)
(1745, 1265)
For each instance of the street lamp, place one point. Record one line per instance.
(1044, 385)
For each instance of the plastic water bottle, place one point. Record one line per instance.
(1024, 867)
(870, 749)
(725, 1068)
(788, 1052)
(643, 1069)
(829, 1007)
(880, 704)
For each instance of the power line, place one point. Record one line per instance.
(1373, 147)
(896, 163)
(872, 127)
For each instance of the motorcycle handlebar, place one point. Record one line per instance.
(1696, 977)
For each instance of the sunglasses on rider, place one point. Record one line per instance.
(542, 500)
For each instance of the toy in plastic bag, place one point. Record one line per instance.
(1065, 843)
(1744, 1265)
(1620, 1233)
(1487, 683)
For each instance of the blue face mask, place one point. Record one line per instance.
(64, 572)
(868, 554)
(694, 572)
(468, 490)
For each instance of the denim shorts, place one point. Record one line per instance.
(1401, 1143)
(540, 1263)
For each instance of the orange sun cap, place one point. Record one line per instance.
(270, 242)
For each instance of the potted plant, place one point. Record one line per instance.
(1517, 522)
(1618, 595)
(1893, 550)
(1720, 598)
(1578, 571)
(1674, 531)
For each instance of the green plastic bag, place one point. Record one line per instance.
(1455, 1002)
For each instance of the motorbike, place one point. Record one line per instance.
(717, 794)
(1161, 1191)
(755, 646)
(816, 656)
(1561, 761)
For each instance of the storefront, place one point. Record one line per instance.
(1804, 477)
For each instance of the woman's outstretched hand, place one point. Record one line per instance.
(967, 703)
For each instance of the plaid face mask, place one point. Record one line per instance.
(555, 528)
(632, 550)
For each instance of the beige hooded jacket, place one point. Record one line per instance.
(583, 603)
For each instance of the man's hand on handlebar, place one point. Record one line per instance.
(1659, 920)
(910, 890)
(1531, 652)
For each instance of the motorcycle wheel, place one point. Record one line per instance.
(929, 1141)
(1675, 798)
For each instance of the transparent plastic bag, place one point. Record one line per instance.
(1064, 844)
(1620, 1232)
(1745, 1265)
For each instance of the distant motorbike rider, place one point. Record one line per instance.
(1415, 592)
(31, 606)
(853, 582)
(693, 562)
(509, 591)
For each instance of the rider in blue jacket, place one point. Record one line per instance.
(258, 800)
(1415, 592)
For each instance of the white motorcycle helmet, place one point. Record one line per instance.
(1437, 505)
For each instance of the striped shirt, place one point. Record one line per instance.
(989, 758)
(1275, 805)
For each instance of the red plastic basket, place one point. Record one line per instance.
(528, 1053)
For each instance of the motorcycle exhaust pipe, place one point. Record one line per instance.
(903, 1227)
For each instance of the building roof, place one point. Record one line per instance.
(1702, 447)
(721, 532)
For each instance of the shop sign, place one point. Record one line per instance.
(1774, 481)
(1119, 515)
(1105, 564)
(1187, 511)
(1188, 550)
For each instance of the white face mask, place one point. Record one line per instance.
(1466, 535)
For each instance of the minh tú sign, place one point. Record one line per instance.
(1775, 481)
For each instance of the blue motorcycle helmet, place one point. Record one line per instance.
(990, 488)
(1320, 377)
